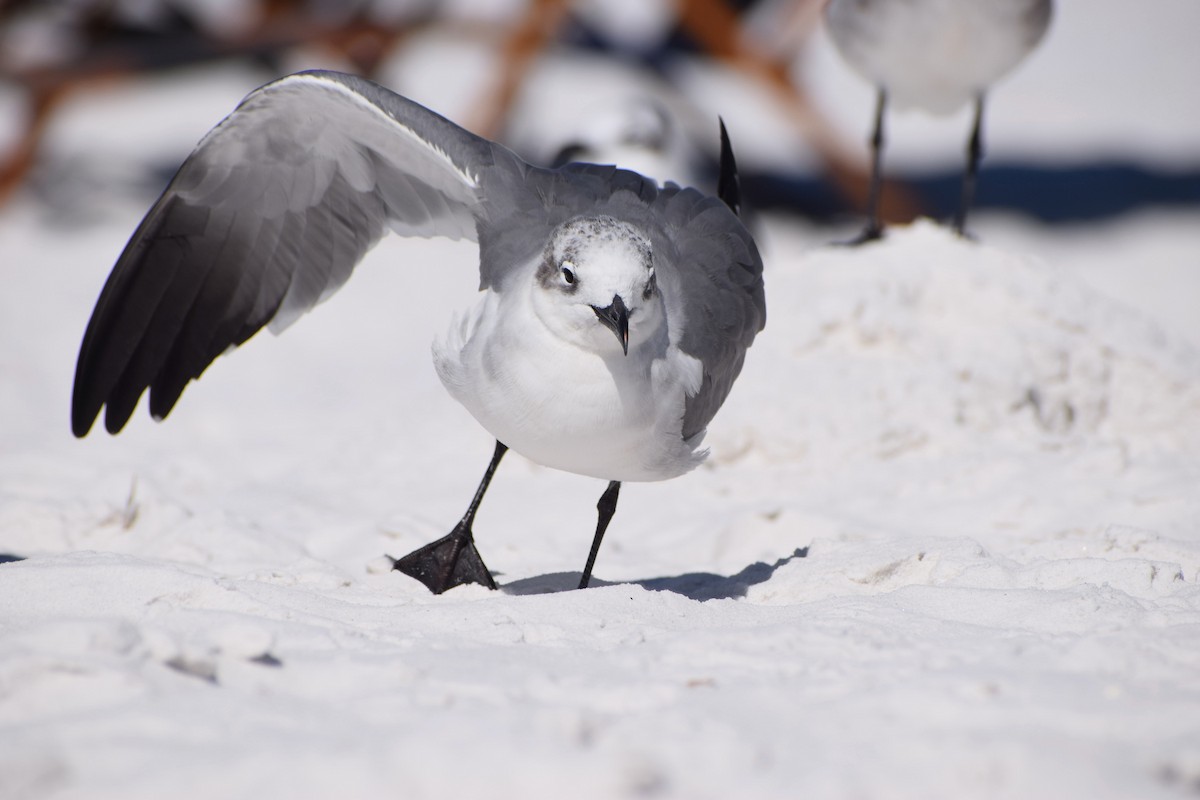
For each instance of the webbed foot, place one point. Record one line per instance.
(450, 561)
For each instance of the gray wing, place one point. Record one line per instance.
(714, 292)
(265, 219)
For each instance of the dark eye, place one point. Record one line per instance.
(568, 273)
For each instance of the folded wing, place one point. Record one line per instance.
(720, 293)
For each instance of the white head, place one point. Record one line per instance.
(596, 287)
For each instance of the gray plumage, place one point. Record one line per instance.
(275, 207)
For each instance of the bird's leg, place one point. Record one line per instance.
(453, 560)
(606, 507)
(874, 229)
(974, 156)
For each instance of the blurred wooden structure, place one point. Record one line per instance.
(110, 51)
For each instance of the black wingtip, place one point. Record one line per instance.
(83, 409)
(729, 187)
(87, 404)
(80, 429)
(81, 421)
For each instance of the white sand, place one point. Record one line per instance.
(948, 545)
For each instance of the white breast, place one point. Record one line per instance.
(612, 416)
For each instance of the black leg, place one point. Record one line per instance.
(606, 508)
(874, 229)
(974, 156)
(453, 560)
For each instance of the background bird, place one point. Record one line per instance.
(615, 314)
(933, 55)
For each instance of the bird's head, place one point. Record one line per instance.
(596, 284)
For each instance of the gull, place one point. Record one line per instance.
(937, 56)
(615, 313)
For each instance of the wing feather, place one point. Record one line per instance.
(268, 217)
(718, 296)
(277, 205)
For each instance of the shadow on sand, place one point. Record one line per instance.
(692, 585)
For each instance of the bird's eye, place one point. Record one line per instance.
(568, 272)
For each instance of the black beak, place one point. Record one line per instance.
(616, 319)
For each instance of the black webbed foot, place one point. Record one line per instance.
(450, 561)
(453, 560)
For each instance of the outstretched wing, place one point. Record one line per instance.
(265, 219)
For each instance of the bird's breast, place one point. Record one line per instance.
(609, 416)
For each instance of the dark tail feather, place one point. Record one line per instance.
(729, 188)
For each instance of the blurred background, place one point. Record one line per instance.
(1092, 144)
(1102, 120)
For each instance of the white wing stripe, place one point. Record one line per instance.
(468, 180)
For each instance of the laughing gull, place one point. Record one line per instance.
(615, 314)
(937, 56)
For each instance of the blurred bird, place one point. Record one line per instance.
(934, 55)
(615, 313)
(639, 134)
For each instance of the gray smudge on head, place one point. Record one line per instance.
(581, 233)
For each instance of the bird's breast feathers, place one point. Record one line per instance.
(608, 415)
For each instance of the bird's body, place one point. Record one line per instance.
(935, 56)
(615, 312)
(613, 417)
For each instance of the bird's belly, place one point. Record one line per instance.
(573, 414)
(574, 410)
(936, 56)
